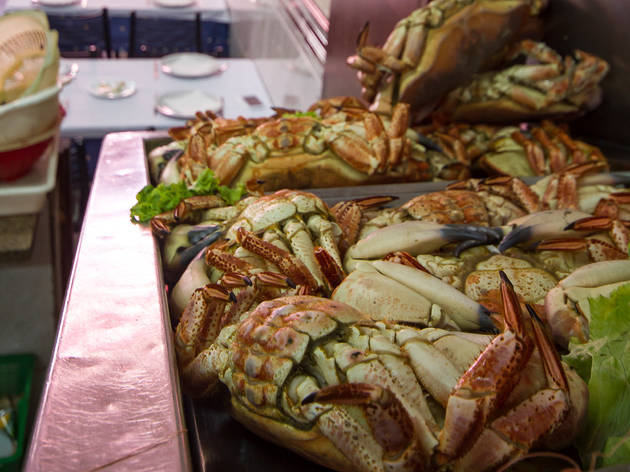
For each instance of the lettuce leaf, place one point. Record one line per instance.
(152, 201)
(299, 114)
(604, 362)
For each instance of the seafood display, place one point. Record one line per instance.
(334, 328)
(377, 336)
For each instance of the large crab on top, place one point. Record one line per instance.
(438, 48)
(347, 145)
(322, 379)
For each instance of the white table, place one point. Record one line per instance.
(93, 117)
(209, 9)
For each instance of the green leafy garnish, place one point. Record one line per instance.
(155, 200)
(298, 114)
(604, 362)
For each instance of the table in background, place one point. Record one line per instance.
(93, 117)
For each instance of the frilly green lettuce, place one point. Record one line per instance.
(152, 200)
(604, 363)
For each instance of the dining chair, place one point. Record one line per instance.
(215, 38)
(156, 37)
(83, 35)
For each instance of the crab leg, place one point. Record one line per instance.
(330, 268)
(487, 383)
(389, 421)
(302, 245)
(617, 229)
(598, 250)
(286, 262)
(200, 322)
(396, 134)
(348, 214)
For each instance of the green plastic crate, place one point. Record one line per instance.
(16, 374)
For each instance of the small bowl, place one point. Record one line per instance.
(17, 163)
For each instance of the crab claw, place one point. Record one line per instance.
(185, 242)
(194, 277)
(387, 290)
(418, 237)
(567, 305)
(538, 226)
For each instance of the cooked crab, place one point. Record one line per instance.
(523, 151)
(281, 243)
(547, 85)
(438, 48)
(349, 147)
(324, 380)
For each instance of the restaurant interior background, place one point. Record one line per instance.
(298, 50)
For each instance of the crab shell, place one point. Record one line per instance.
(286, 153)
(309, 443)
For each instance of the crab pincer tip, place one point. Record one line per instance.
(570, 225)
(485, 322)
(232, 297)
(290, 283)
(514, 237)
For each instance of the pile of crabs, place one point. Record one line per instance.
(377, 336)
(405, 337)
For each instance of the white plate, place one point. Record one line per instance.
(112, 88)
(191, 65)
(55, 3)
(184, 104)
(174, 3)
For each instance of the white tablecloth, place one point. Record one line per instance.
(93, 117)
